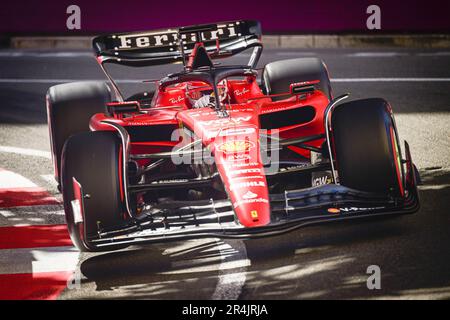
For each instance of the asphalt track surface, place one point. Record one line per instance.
(320, 262)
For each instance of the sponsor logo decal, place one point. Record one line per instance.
(354, 209)
(137, 123)
(236, 131)
(246, 201)
(249, 195)
(170, 38)
(351, 209)
(294, 167)
(320, 181)
(237, 157)
(176, 100)
(239, 93)
(246, 177)
(235, 146)
(170, 181)
(281, 108)
(247, 184)
(243, 164)
(221, 122)
(244, 171)
(321, 178)
(202, 112)
(254, 215)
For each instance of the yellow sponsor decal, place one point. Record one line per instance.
(236, 146)
(254, 214)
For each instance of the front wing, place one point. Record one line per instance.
(291, 210)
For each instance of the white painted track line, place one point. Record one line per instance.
(232, 270)
(22, 202)
(26, 152)
(34, 260)
(376, 54)
(227, 257)
(12, 180)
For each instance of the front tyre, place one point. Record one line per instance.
(94, 159)
(366, 147)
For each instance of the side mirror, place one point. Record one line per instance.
(305, 87)
(116, 108)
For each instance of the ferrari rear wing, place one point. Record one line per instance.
(175, 44)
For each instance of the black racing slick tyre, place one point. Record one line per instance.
(95, 160)
(366, 147)
(70, 106)
(279, 75)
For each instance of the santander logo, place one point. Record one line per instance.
(249, 195)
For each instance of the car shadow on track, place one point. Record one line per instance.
(331, 261)
(185, 270)
(322, 262)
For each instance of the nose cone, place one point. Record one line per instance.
(239, 163)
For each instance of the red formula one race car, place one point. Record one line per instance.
(219, 151)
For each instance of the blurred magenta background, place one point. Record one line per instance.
(276, 16)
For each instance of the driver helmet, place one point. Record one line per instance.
(203, 98)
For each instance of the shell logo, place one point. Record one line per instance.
(236, 146)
